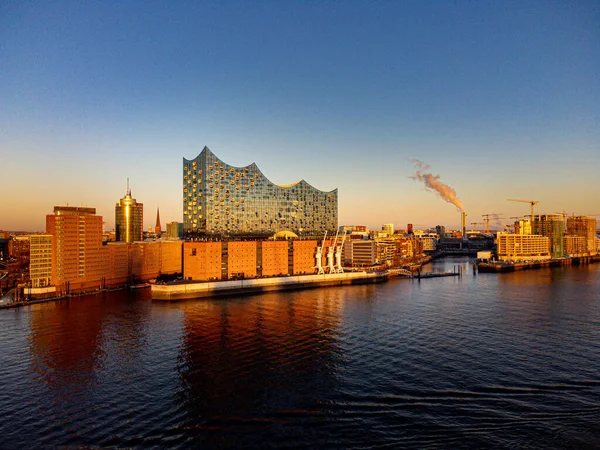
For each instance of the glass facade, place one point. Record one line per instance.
(129, 219)
(223, 199)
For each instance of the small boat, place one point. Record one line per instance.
(139, 286)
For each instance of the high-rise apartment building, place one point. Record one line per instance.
(224, 199)
(388, 228)
(76, 244)
(40, 253)
(129, 219)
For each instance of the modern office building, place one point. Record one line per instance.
(221, 199)
(360, 252)
(129, 219)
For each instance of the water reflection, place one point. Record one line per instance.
(259, 358)
(482, 361)
(72, 342)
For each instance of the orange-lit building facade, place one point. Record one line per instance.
(274, 257)
(241, 258)
(77, 257)
(82, 262)
(203, 261)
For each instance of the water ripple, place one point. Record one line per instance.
(507, 361)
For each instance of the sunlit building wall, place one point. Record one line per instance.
(303, 256)
(76, 246)
(523, 227)
(576, 246)
(149, 259)
(386, 251)
(211, 260)
(274, 257)
(523, 247)
(360, 252)
(404, 249)
(118, 257)
(174, 230)
(81, 262)
(241, 258)
(40, 257)
(428, 241)
(202, 261)
(224, 199)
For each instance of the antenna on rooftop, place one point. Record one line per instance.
(128, 190)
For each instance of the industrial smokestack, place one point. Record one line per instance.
(463, 224)
(432, 182)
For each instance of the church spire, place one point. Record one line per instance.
(157, 227)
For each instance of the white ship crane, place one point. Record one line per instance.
(330, 253)
(319, 255)
(338, 256)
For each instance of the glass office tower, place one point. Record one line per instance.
(129, 219)
(227, 200)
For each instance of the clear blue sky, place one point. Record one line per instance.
(502, 99)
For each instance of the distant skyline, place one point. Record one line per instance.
(500, 99)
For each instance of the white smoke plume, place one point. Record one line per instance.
(432, 182)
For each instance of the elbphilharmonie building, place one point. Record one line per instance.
(226, 200)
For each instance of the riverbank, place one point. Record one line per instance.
(510, 266)
(35, 301)
(192, 290)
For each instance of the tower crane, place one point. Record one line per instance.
(475, 225)
(532, 203)
(487, 220)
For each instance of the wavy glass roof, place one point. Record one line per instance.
(221, 198)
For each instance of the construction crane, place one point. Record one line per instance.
(532, 203)
(475, 225)
(487, 220)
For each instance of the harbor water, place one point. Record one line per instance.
(479, 361)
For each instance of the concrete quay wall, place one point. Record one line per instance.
(183, 291)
